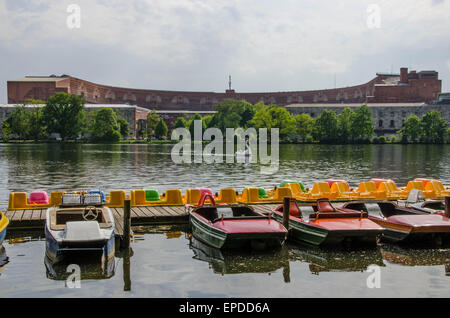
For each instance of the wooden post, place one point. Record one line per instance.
(447, 207)
(126, 270)
(126, 224)
(286, 204)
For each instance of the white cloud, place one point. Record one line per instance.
(263, 41)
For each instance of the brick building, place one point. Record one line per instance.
(406, 87)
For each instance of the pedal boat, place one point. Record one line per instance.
(403, 224)
(3, 225)
(234, 226)
(322, 224)
(81, 225)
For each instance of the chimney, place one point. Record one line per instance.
(404, 75)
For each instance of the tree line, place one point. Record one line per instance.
(349, 126)
(63, 114)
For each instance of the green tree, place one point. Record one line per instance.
(37, 129)
(345, 124)
(326, 127)
(412, 129)
(124, 127)
(152, 120)
(180, 123)
(161, 129)
(18, 122)
(304, 125)
(272, 116)
(105, 126)
(64, 114)
(361, 128)
(434, 127)
(191, 124)
(231, 113)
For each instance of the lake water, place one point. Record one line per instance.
(168, 262)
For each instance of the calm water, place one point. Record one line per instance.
(167, 262)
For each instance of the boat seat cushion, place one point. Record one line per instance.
(82, 231)
(325, 206)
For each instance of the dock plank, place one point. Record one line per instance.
(26, 216)
(36, 215)
(17, 217)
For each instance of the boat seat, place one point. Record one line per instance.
(227, 195)
(152, 195)
(38, 197)
(324, 206)
(262, 194)
(102, 194)
(437, 187)
(82, 231)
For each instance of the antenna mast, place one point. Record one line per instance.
(229, 82)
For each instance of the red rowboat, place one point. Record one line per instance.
(231, 226)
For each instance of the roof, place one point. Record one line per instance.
(51, 78)
(86, 105)
(358, 105)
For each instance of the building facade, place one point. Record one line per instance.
(406, 87)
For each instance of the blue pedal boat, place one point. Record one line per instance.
(81, 225)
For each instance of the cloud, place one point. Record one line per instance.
(195, 44)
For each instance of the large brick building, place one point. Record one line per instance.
(406, 87)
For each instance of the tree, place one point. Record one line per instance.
(325, 127)
(434, 127)
(272, 116)
(412, 129)
(180, 123)
(124, 127)
(345, 124)
(37, 129)
(18, 122)
(232, 113)
(161, 129)
(304, 125)
(191, 124)
(105, 126)
(152, 121)
(64, 114)
(361, 128)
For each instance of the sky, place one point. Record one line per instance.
(195, 45)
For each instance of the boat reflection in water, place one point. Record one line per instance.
(335, 259)
(89, 268)
(319, 259)
(417, 256)
(238, 261)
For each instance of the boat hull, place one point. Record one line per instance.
(2, 235)
(58, 251)
(301, 231)
(221, 239)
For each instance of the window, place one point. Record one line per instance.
(380, 123)
(392, 124)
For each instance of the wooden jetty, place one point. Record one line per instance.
(144, 215)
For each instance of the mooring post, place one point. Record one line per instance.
(447, 207)
(126, 224)
(286, 204)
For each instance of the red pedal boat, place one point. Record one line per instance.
(321, 224)
(403, 224)
(232, 226)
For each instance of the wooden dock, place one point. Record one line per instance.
(147, 215)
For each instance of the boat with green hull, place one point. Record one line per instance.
(321, 224)
(233, 226)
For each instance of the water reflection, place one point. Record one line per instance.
(237, 262)
(319, 259)
(417, 256)
(336, 259)
(89, 268)
(54, 167)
